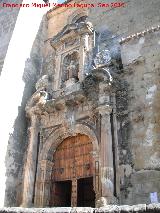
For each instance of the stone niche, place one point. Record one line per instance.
(72, 45)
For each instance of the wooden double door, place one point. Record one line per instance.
(72, 174)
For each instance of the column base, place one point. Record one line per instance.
(27, 205)
(104, 201)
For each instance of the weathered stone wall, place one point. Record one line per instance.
(8, 17)
(17, 145)
(140, 173)
(133, 17)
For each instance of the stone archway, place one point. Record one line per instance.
(45, 165)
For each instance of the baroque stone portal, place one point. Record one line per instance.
(70, 158)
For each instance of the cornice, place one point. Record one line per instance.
(139, 34)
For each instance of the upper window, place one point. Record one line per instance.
(78, 19)
(81, 19)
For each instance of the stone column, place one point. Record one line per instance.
(74, 193)
(85, 42)
(83, 50)
(30, 166)
(106, 155)
(57, 77)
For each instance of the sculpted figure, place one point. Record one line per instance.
(42, 83)
(70, 67)
(43, 98)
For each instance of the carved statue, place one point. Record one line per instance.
(70, 67)
(42, 83)
(43, 98)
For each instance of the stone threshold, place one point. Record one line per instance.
(151, 208)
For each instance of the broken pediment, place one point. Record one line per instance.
(71, 31)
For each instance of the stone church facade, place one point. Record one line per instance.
(93, 118)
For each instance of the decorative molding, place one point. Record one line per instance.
(46, 132)
(140, 34)
(71, 31)
(104, 109)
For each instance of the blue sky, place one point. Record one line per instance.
(61, 1)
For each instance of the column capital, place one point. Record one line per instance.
(104, 109)
(34, 121)
(33, 112)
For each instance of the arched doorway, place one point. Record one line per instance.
(73, 172)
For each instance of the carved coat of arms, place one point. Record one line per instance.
(102, 58)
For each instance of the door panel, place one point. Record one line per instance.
(73, 158)
(86, 194)
(61, 194)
